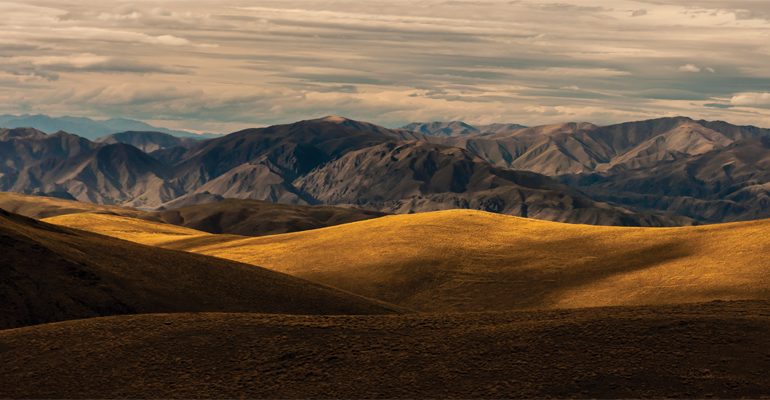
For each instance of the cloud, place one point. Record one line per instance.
(671, 94)
(750, 99)
(93, 63)
(689, 68)
(87, 62)
(638, 13)
(585, 72)
(16, 47)
(108, 16)
(482, 61)
(142, 94)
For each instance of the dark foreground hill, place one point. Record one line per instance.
(706, 350)
(258, 218)
(50, 273)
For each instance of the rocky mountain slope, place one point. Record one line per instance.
(722, 185)
(576, 148)
(338, 161)
(117, 174)
(147, 141)
(419, 176)
(458, 128)
(22, 148)
(86, 127)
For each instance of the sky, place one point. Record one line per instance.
(221, 66)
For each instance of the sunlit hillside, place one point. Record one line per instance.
(46, 207)
(135, 230)
(464, 260)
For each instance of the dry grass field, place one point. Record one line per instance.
(708, 350)
(51, 273)
(460, 260)
(45, 207)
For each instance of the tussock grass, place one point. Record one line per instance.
(463, 260)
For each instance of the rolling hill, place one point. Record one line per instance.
(462, 260)
(708, 350)
(51, 273)
(231, 216)
(39, 207)
(257, 218)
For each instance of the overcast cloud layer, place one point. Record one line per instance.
(220, 66)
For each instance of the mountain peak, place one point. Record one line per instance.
(332, 118)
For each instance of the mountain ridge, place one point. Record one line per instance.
(86, 127)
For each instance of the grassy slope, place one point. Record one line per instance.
(471, 261)
(51, 273)
(705, 350)
(249, 217)
(46, 207)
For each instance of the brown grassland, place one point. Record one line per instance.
(45, 207)
(461, 260)
(717, 349)
(514, 308)
(51, 273)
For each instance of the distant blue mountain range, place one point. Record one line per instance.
(88, 128)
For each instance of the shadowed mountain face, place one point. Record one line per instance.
(310, 163)
(453, 128)
(113, 174)
(258, 218)
(147, 141)
(25, 147)
(17, 133)
(458, 128)
(575, 148)
(270, 158)
(51, 273)
(419, 176)
(722, 185)
(87, 127)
